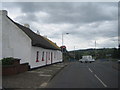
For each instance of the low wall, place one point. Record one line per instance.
(15, 68)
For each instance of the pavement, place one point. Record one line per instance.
(33, 79)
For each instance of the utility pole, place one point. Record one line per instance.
(63, 42)
(74, 52)
(95, 49)
(63, 38)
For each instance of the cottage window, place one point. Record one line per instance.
(46, 57)
(37, 56)
(51, 57)
(43, 56)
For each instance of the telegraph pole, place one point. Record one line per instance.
(74, 52)
(95, 49)
(63, 42)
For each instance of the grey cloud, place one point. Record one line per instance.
(27, 19)
(107, 44)
(9, 4)
(76, 14)
(67, 12)
(95, 31)
(80, 13)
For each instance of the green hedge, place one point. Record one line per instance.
(8, 61)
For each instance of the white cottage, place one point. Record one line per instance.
(21, 42)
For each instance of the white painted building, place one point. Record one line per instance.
(21, 42)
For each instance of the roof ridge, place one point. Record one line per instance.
(37, 40)
(51, 42)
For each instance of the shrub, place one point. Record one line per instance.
(7, 61)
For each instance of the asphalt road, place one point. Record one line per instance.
(98, 74)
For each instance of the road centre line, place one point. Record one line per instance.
(100, 80)
(90, 70)
(44, 75)
(43, 84)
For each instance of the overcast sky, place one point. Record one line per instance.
(86, 22)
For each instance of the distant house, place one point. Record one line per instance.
(21, 42)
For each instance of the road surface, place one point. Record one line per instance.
(98, 74)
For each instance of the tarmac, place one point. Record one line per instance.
(116, 66)
(33, 79)
(36, 78)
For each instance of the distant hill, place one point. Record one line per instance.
(96, 53)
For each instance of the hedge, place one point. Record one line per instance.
(7, 61)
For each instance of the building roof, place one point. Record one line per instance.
(54, 44)
(37, 40)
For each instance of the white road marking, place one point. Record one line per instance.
(90, 70)
(100, 81)
(43, 84)
(44, 75)
(57, 68)
(35, 72)
(48, 70)
(31, 71)
(39, 72)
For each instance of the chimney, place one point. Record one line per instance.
(27, 25)
(3, 12)
(38, 32)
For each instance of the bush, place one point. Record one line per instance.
(7, 61)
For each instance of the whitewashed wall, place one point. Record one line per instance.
(48, 58)
(0, 50)
(57, 56)
(0, 35)
(33, 63)
(15, 43)
(60, 56)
